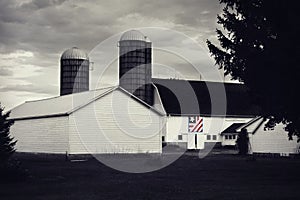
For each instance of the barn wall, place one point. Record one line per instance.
(211, 126)
(105, 126)
(273, 141)
(44, 135)
(229, 142)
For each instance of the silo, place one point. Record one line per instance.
(135, 65)
(74, 71)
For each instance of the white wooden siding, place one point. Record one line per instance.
(44, 135)
(211, 126)
(273, 141)
(228, 142)
(97, 128)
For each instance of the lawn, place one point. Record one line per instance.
(214, 177)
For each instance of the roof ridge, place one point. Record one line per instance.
(140, 100)
(255, 119)
(95, 98)
(197, 81)
(67, 104)
(49, 98)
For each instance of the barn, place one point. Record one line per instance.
(269, 141)
(181, 108)
(107, 120)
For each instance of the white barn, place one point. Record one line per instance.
(108, 120)
(270, 141)
(176, 97)
(111, 120)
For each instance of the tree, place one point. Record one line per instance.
(7, 143)
(259, 46)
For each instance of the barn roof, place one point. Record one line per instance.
(233, 128)
(181, 97)
(56, 106)
(66, 104)
(253, 125)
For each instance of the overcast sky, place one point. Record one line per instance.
(34, 33)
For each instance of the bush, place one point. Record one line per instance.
(243, 142)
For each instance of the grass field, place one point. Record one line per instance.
(214, 177)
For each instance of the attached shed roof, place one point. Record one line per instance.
(233, 128)
(253, 125)
(181, 97)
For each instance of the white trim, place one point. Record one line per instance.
(248, 124)
(141, 101)
(159, 98)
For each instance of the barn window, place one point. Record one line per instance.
(179, 137)
(233, 137)
(214, 137)
(230, 137)
(208, 137)
(226, 137)
(163, 138)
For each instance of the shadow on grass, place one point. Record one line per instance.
(12, 171)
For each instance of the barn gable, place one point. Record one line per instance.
(115, 124)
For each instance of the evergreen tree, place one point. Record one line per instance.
(7, 143)
(259, 46)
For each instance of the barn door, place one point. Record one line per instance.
(191, 142)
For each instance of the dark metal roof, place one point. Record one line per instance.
(232, 128)
(181, 97)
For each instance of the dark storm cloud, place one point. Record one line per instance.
(40, 4)
(188, 12)
(45, 28)
(9, 13)
(52, 25)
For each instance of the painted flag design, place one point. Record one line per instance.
(195, 124)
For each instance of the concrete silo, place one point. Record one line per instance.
(74, 71)
(135, 65)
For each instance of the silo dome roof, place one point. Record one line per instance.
(133, 35)
(74, 53)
